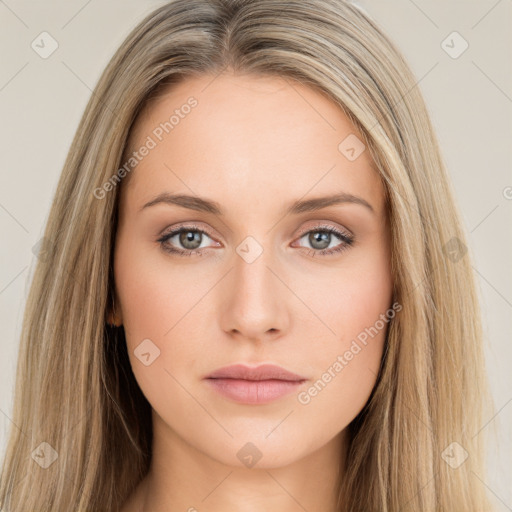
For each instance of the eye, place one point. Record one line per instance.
(321, 239)
(190, 238)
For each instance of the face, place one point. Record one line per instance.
(262, 273)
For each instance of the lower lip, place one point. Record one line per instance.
(254, 391)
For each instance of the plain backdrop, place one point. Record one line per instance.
(468, 92)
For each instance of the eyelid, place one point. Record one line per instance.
(185, 225)
(316, 225)
(319, 225)
(347, 239)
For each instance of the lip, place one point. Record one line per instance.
(254, 385)
(261, 372)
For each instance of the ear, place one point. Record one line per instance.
(114, 317)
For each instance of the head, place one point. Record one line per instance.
(253, 285)
(260, 108)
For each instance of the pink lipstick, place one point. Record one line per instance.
(254, 385)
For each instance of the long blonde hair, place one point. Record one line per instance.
(75, 390)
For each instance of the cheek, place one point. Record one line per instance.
(153, 291)
(144, 297)
(355, 305)
(350, 298)
(159, 303)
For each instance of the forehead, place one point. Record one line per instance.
(247, 137)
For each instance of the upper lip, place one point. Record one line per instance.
(262, 372)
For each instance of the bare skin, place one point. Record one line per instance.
(254, 145)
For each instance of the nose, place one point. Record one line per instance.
(253, 299)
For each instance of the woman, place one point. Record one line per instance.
(255, 293)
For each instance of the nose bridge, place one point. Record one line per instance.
(254, 303)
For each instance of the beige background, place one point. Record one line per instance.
(469, 97)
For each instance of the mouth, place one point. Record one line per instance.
(254, 385)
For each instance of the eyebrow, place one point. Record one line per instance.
(301, 206)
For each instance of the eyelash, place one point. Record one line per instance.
(347, 240)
